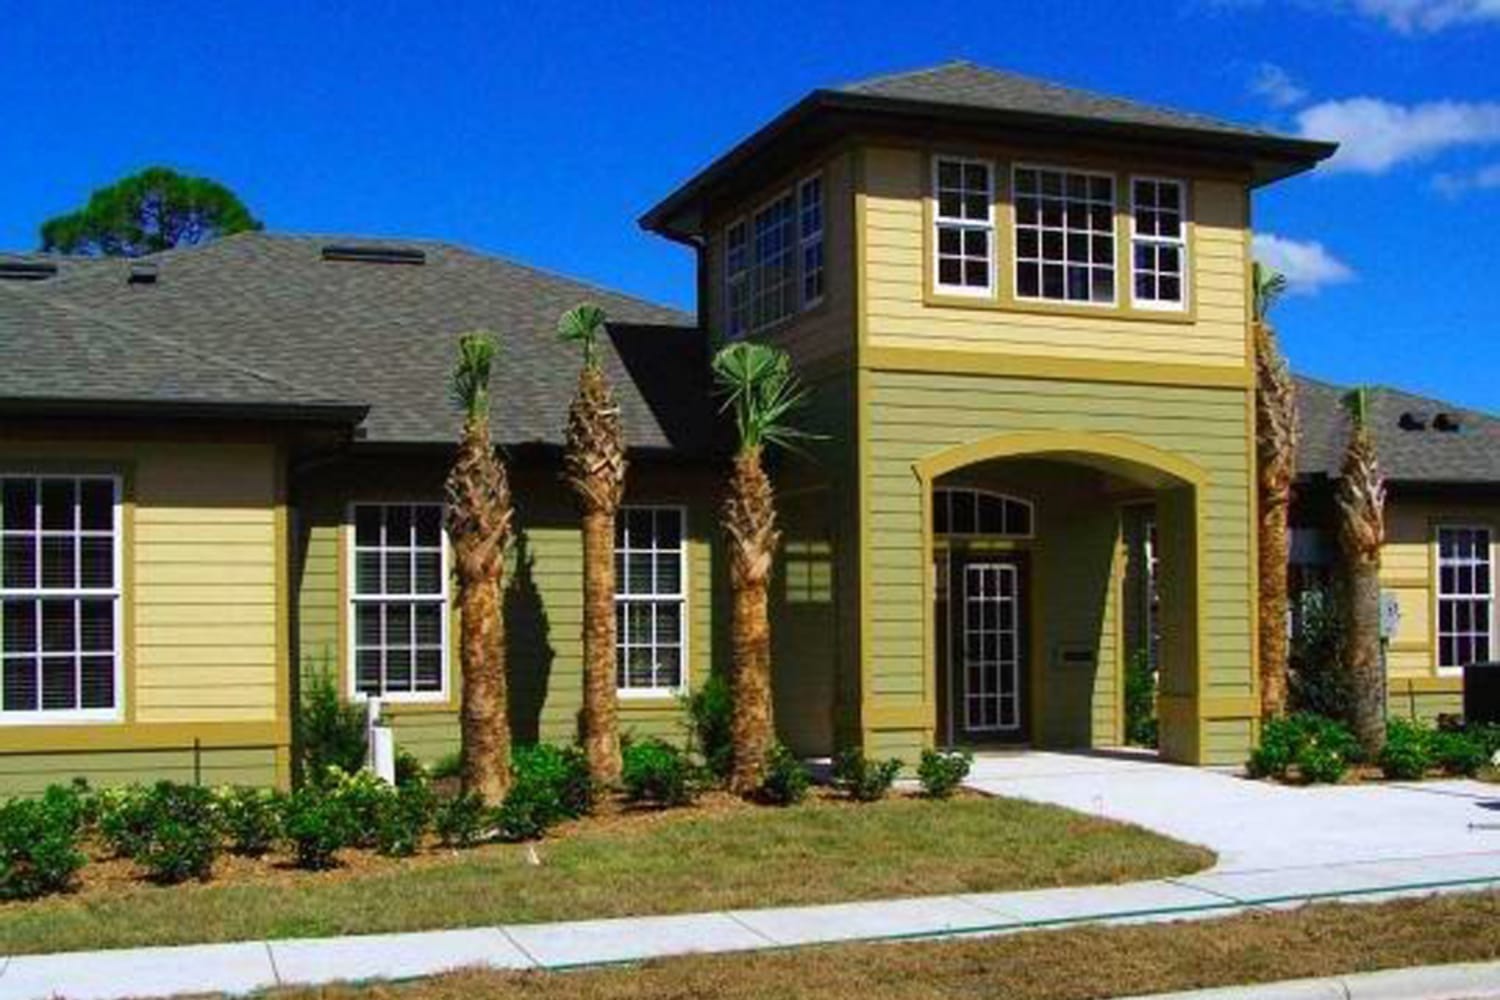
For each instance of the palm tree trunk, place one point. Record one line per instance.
(600, 720)
(1276, 452)
(750, 522)
(1361, 504)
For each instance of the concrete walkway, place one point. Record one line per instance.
(1278, 848)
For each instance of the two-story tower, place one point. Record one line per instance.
(1024, 312)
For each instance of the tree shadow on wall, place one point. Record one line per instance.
(528, 645)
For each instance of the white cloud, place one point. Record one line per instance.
(1375, 135)
(1307, 265)
(1454, 185)
(1417, 16)
(1277, 86)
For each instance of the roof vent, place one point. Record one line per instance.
(1413, 421)
(27, 270)
(374, 254)
(1448, 422)
(142, 272)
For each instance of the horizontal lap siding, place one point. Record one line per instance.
(31, 773)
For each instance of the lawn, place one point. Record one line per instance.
(719, 854)
(1078, 964)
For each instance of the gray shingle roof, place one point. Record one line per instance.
(383, 334)
(1468, 455)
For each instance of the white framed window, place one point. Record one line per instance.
(963, 221)
(1466, 596)
(810, 238)
(399, 602)
(773, 263)
(736, 279)
(1065, 235)
(650, 600)
(60, 568)
(1158, 243)
(959, 511)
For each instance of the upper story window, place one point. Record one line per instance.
(737, 279)
(1158, 243)
(1065, 235)
(964, 225)
(1466, 596)
(60, 598)
(958, 511)
(773, 270)
(650, 599)
(400, 601)
(810, 238)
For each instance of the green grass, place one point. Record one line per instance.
(706, 860)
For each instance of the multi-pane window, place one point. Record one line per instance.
(964, 225)
(650, 599)
(773, 272)
(737, 279)
(400, 601)
(1158, 243)
(59, 597)
(958, 511)
(1466, 596)
(1065, 235)
(810, 238)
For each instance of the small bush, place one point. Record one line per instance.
(1321, 749)
(461, 821)
(330, 730)
(364, 796)
(862, 779)
(402, 819)
(1321, 765)
(555, 780)
(251, 818)
(709, 710)
(1407, 754)
(521, 817)
(1317, 683)
(942, 771)
(318, 826)
(409, 770)
(39, 851)
(182, 833)
(657, 773)
(1459, 752)
(786, 781)
(123, 818)
(1140, 700)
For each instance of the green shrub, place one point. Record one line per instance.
(364, 796)
(942, 771)
(317, 825)
(1273, 757)
(521, 817)
(1459, 751)
(1407, 754)
(786, 780)
(461, 821)
(1320, 748)
(655, 772)
(1320, 764)
(330, 730)
(1316, 681)
(402, 819)
(251, 818)
(862, 779)
(1487, 735)
(709, 710)
(1140, 700)
(410, 770)
(554, 780)
(39, 851)
(123, 818)
(182, 834)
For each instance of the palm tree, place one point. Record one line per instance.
(1276, 452)
(758, 385)
(479, 526)
(594, 466)
(1361, 505)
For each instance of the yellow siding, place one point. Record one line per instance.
(900, 315)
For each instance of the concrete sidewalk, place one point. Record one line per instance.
(1278, 847)
(1464, 981)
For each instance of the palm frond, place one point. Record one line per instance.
(1357, 405)
(469, 385)
(582, 325)
(758, 384)
(1269, 286)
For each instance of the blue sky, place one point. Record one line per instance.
(542, 132)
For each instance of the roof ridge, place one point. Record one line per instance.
(905, 73)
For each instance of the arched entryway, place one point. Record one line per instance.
(1025, 616)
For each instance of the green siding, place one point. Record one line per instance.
(31, 773)
(1423, 706)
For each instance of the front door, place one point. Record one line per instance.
(987, 650)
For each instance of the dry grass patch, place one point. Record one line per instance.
(1079, 964)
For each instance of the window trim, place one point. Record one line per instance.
(1438, 596)
(75, 716)
(991, 225)
(684, 596)
(1182, 243)
(1120, 270)
(805, 242)
(352, 599)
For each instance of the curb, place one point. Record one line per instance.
(1464, 981)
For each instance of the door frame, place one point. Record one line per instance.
(958, 556)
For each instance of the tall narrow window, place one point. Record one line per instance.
(773, 280)
(1065, 236)
(736, 280)
(810, 237)
(650, 600)
(400, 601)
(59, 598)
(964, 225)
(1466, 596)
(1158, 243)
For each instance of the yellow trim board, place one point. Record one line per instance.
(141, 736)
(960, 362)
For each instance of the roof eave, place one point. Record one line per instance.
(326, 413)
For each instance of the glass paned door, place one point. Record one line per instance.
(990, 651)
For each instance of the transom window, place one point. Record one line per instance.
(810, 237)
(400, 601)
(980, 512)
(963, 220)
(1466, 596)
(1065, 235)
(59, 598)
(737, 279)
(1158, 243)
(650, 599)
